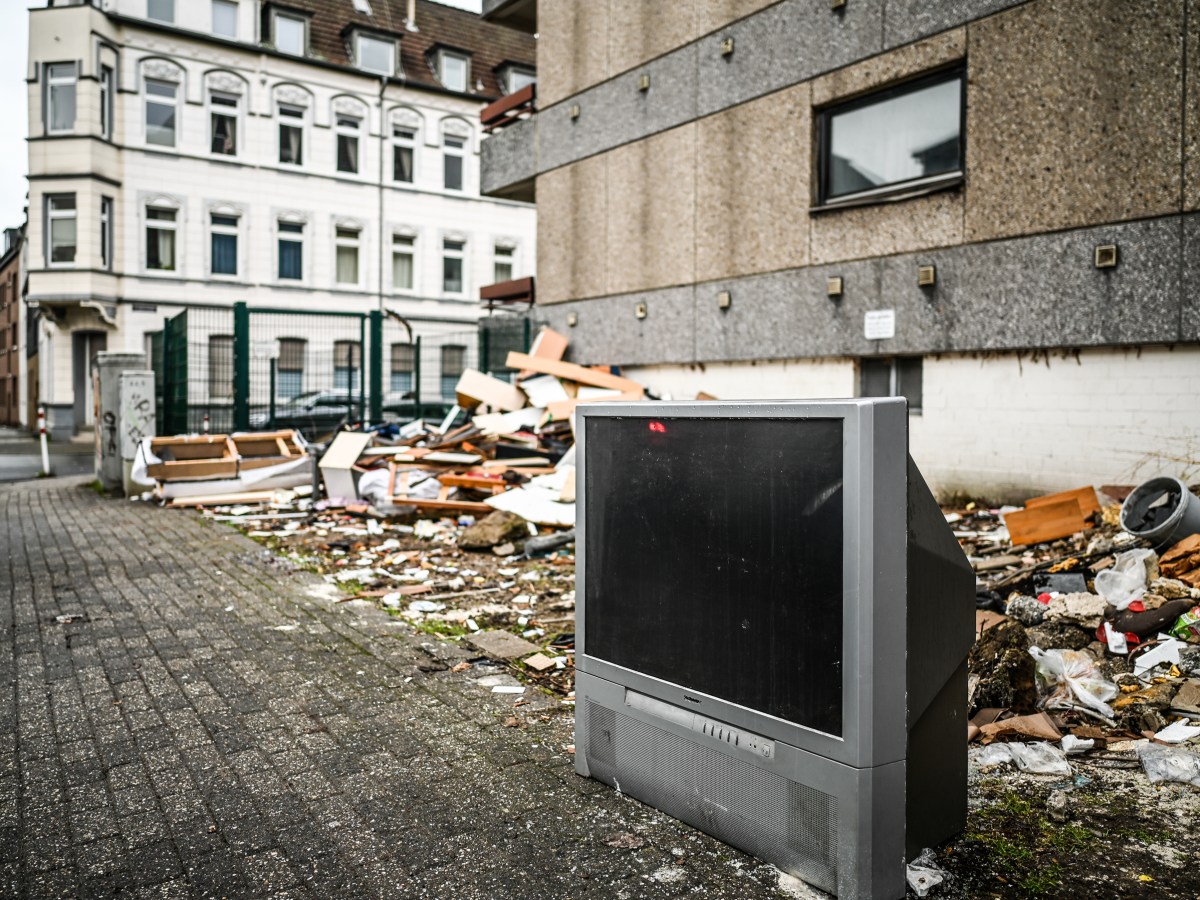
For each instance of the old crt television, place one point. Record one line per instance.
(772, 629)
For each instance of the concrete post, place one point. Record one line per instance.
(106, 371)
(136, 422)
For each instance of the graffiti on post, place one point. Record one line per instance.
(137, 411)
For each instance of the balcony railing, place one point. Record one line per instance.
(507, 110)
(507, 294)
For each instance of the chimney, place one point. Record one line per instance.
(411, 21)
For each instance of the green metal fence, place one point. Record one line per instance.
(248, 367)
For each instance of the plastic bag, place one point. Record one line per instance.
(1169, 764)
(924, 874)
(1072, 679)
(1127, 579)
(1072, 744)
(1039, 758)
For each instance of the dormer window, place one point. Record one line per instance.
(290, 33)
(454, 70)
(363, 6)
(161, 10)
(374, 54)
(513, 77)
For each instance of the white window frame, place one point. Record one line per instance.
(340, 130)
(228, 109)
(404, 242)
(234, 231)
(107, 220)
(503, 254)
(409, 143)
(292, 121)
(107, 77)
(346, 240)
(511, 70)
(61, 215)
(161, 100)
(459, 254)
(171, 225)
(169, 20)
(302, 21)
(465, 59)
(61, 81)
(448, 150)
(359, 38)
(294, 237)
(228, 5)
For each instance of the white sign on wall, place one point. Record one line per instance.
(879, 324)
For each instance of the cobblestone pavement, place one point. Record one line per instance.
(184, 717)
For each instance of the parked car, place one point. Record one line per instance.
(318, 414)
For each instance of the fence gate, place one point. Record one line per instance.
(175, 374)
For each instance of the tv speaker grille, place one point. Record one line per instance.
(783, 822)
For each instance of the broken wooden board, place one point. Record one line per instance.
(572, 372)
(474, 388)
(540, 662)
(1089, 503)
(224, 499)
(450, 505)
(501, 645)
(474, 482)
(548, 344)
(1046, 522)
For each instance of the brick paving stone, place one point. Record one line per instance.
(165, 746)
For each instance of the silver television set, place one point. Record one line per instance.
(772, 626)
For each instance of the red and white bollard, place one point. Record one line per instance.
(206, 423)
(42, 435)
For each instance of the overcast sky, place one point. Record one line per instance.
(14, 48)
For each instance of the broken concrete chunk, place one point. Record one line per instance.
(1085, 610)
(495, 528)
(1001, 663)
(501, 645)
(1025, 610)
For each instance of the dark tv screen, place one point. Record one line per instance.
(713, 553)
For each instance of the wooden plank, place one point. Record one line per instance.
(474, 388)
(223, 499)
(193, 468)
(504, 109)
(455, 505)
(572, 372)
(1046, 522)
(1086, 496)
(516, 289)
(474, 482)
(548, 344)
(283, 447)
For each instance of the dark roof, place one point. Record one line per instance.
(490, 45)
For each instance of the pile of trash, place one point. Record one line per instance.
(463, 527)
(196, 469)
(1088, 623)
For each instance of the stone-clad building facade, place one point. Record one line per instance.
(990, 206)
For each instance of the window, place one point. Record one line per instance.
(347, 363)
(224, 244)
(291, 135)
(452, 266)
(453, 70)
(106, 102)
(224, 116)
(403, 359)
(902, 138)
(376, 55)
(289, 370)
(347, 255)
(516, 78)
(220, 367)
(503, 258)
(453, 165)
(347, 144)
(404, 141)
(60, 97)
(162, 10)
(363, 6)
(291, 251)
(402, 262)
(160, 112)
(454, 363)
(61, 230)
(897, 377)
(106, 233)
(291, 34)
(224, 18)
(160, 239)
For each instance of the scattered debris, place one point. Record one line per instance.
(624, 840)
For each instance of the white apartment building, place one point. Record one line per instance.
(301, 155)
